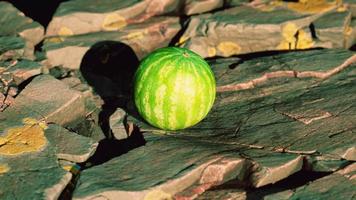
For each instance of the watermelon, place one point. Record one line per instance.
(174, 88)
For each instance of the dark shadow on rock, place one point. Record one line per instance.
(109, 67)
(106, 150)
(41, 11)
(353, 48)
(111, 148)
(183, 21)
(291, 183)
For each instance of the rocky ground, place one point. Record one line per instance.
(283, 125)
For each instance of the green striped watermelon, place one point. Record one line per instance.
(174, 88)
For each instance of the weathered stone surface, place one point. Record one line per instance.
(14, 23)
(334, 30)
(246, 29)
(30, 148)
(184, 170)
(339, 185)
(226, 32)
(274, 116)
(20, 70)
(198, 6)
(351, 5)
(117, 125)
(45, 98)
(226, 194)
(303, 7)
(142, 38)
(29, 154)
(81, 17)
(12, 74)
(11, 47)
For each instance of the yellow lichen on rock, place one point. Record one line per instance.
(55, 39)
(288, 32)
(4, 168)
(182, 40)
(158, 195)
(113, 22)
(211, 51)
(67, 167)
(25, 139)
(313, 6)
(342, 8)
(294, 38)
(134, 35)
(348, 30)
(229, 48)
(305, 41)
(65, 31)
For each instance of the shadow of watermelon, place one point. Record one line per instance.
(109, 67)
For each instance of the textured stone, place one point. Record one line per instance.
(274, 116)
(45, 98)
(81, 17)
(11, 47)
(339, 185)
(12, 74)
(164, 175)
(198, 6)
(30, 148)
(21, 70)
(247, 29)
(142, 38)
(14, 26)
(334, 30)
(35, 173)
(117, 125)
(227, 194)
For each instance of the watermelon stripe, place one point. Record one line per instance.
(205, 78)
(199, 97)
(142, 76)
(173, 100)
(167, 104)
(208, 75)
(180, 112)
(189, 88)
(159, 97)
(144, 94)
(158, 108)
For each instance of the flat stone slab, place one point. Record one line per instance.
(31, 145)
(44, 98)
(334, 30)
(143, 38)
(80, 17)
(19, 70)
(339, 185)
(11, 47)
(15, 23)
(12, 74)
(274, 115)
(29, 166)
(248, 29)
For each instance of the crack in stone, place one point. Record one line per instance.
(286, 73)
(307, 120)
